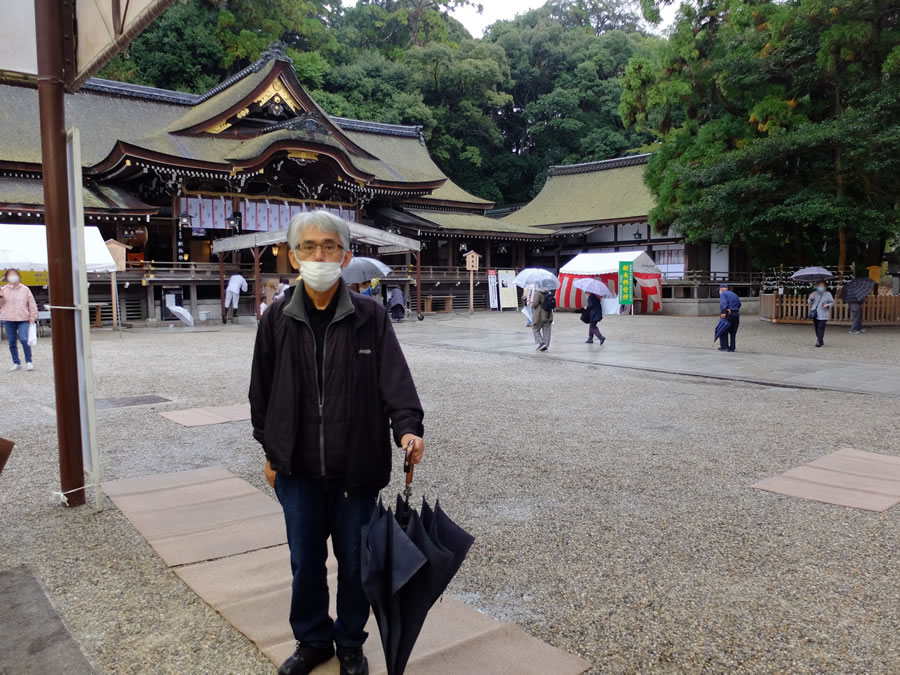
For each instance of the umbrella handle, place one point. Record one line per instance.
(407, 463)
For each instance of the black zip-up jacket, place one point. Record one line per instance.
(343, 430)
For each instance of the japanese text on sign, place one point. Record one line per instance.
(626, 283)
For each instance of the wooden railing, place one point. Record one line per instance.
(877, 310)
(703, 277)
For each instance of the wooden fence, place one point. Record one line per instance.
(877, 310)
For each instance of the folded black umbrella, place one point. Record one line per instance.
(857, 290)
(406, 565)
(721, 327)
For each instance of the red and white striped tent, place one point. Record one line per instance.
(647, 277)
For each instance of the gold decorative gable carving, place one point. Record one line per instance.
(276, 92)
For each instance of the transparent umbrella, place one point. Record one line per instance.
(541, 279)
(594, 287)
(361, 270)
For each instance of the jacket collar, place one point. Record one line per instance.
(297, 309)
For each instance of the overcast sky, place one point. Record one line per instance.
(494, 10)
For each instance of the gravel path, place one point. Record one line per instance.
(612, 507)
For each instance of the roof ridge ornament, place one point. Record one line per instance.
(275, 52)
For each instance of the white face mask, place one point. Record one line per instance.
(13, 278)
(320, 276)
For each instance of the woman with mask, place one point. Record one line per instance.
(17, 311)
(820, 303)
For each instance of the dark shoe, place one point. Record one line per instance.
(539, 347)
(820, 344)
(723, 349)
(305, 658)
(731, 350)
(590, 342)
(353, 661)
(544, 347)
(602, 340)
(224, 320)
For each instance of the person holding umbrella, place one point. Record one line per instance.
(854, 294)
(542, 305)
(820, 303)
(593, 312)
(730, 308)
(329, 385)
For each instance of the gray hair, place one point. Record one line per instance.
(326, 222)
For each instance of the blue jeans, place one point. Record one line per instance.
(313, 510)
(18, 329)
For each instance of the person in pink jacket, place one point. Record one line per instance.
(17, 311)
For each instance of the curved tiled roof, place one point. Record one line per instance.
(593, 192)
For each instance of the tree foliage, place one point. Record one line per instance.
(778, 125)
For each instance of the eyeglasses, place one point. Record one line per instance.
(308, 248)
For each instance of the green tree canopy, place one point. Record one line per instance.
(778, 125)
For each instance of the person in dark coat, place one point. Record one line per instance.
(329, 385)
(595, 315)
(730, 308)
(398, 304)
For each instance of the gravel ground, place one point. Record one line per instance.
(612, 507)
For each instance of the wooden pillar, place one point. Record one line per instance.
(114, 300)
(418, 282)
(222, 284)
(257, 283)
(175, 217)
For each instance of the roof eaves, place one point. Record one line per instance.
(364, 126)
(588, 167)
(102, 86)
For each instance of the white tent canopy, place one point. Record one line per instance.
(585, 264)
(25, 248)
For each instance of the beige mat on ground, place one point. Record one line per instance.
(198, 417)
(199, 515)
(246, 578)
(862, 480)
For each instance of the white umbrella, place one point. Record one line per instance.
(593, 286)
(361, 270)
(812, 274)
(182, 314)
(541, 279)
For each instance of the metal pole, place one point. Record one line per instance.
(257, 290)
(471, 292)
(49, 32)
(222, 284)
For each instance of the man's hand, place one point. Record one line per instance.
(270, 474)
(418, 446)
(721, 316)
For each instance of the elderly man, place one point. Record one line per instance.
(329, 384)
(730, 308)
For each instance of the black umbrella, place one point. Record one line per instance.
(857, 290)
(407, 563)
(721, 327)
